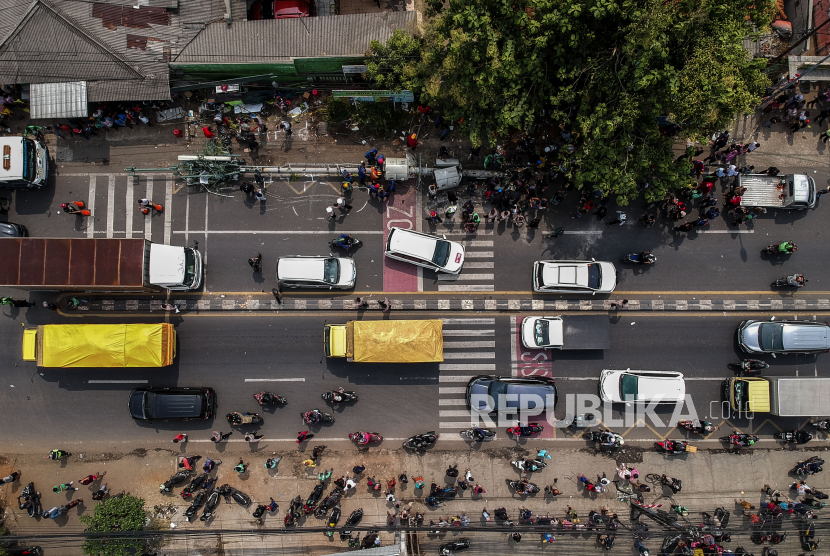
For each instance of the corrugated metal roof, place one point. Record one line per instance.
(274, 40)
(48, 47)
(13, 11)
(127, 16)
(58, 100)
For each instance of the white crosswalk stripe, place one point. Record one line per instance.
(469, 350)
(115, 195)
(470, 279)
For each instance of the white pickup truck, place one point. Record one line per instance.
(791, 191)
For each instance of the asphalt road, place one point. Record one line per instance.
(81, 407)
(230, 229)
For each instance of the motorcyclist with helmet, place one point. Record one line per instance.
(787, 247)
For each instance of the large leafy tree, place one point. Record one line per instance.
(606, 68)
(123, 513)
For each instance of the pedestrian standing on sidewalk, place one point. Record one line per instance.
(240, 467)
(260, 196)
(64, 486)
(89, 479)
(252, 436)
(10, 478)
(278, 292)
(331, 215)
(100, 493)
(619, 304)
(452, 471)
(385, 306)
(181, 437)
(358, 469)
(342, 204)
(220, 436)
(147, 204)
(302, 436)
(412, 141)
(361, 173)
(50, 306)
(360, 303)
(478, 489)
(208, 133)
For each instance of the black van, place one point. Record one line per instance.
(147, 404)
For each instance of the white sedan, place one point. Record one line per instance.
(574, 277)
(642, 386)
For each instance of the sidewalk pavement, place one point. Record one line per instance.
(710, 479)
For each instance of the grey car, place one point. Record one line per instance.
(494, 386)
(9, 229)
(785, 336)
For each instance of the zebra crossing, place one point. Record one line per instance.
(477, 274)
(469, 350)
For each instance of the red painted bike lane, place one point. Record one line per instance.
(533, 362)
(400, 212)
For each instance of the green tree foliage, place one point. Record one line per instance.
(394, 66)
(609, 68)
(124, 513)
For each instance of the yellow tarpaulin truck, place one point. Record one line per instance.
(783, 396)
(386, 341)
(100, 345)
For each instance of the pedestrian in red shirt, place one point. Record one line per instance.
(177, 133)
(89, 479)
(412, 141)
(208, 133)
(180, 438)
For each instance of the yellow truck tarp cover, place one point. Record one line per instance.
(105, 345)
(396, 341)
(758, 395)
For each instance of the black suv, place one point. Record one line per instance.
(147, 404)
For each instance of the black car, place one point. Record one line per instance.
(8, 229)
(147, 404)
(494, 386)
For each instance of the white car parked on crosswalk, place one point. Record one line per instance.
(425, 250)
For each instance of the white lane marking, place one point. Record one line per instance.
(461, 425)
(483, 264)
(470, 321)
(451, 402)
(466, 366)
(110, 204)
(468, 345)
(187, 220)
(148, 223)
(418, 378)
(463, 277)
(470, 355)
(130, 206)
(477, 255)
(469, 332)
(477, 243)
(275, 379)
(117, 381)
(90, 220)
(585, 233)
(452, 390)
(480, 232)
(454, 413)
(281, 232)
(467, 288)
(454, 378)
(713, 379)
(513, 351)
(168, 205)
(726, 231)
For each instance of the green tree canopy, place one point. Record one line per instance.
(607, 68)
(124, 513)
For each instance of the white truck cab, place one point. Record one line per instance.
(174, 267)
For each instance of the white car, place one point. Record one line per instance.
(425, 250)
(642, 386)
(316, 272)
(574, 277)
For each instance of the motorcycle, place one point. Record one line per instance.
(331, 501)
(471, 433)
(823, 425)
(649, 258)
(353, 521)
(673, 447)
(238, 418)
(528, 430)
(702, 427)
(749, 367)
(363, 438)
(294, 511)
(420, 442)
(174, 480)
(791, 281)
(316, 416)
(351, 242)
(740, 439)
(579, 421)
(29, 499)
(269, 398)
(311, 502)
(523, 488)
(340, 395)
(606, 439)
(529, 465)
(195, 505)
(774, 249)
(794, 436)
(194, 485)
(447, 549)
(334, 517)
(443, 494)
(809, 466)
(210, 506)
(239, 497)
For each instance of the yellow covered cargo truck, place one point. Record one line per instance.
(386, 341)
(100, 345)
